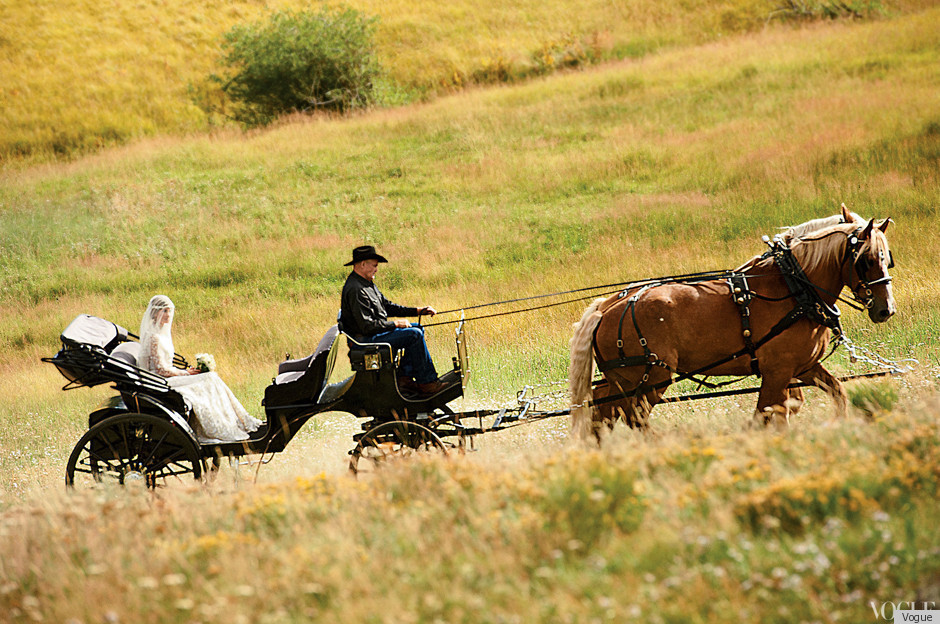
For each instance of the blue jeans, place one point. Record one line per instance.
(416, 362)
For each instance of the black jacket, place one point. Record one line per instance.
(365, 310)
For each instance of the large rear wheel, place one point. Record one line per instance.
(390, 442)
(133, 448)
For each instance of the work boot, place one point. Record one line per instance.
(432, 387)
(407, 383)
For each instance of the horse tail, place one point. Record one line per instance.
(581, 371)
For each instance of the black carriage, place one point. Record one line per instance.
(144, 432)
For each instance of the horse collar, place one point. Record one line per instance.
(809, 303)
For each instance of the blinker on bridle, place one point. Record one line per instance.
(862, 265)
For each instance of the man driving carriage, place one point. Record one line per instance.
(364, 315)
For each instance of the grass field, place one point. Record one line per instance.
(671, 162)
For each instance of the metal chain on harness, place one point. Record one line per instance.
(867, 356)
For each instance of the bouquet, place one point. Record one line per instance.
(205, 362)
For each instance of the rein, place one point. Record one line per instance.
(620, 287)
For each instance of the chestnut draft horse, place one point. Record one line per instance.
(773, 317)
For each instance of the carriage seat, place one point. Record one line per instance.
(366, 356)
(126, 352)
(300, 381)
(293, 369)
(290, 370)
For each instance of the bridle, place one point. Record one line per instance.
(862, 264)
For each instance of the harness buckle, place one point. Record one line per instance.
(619, 343)
(642, 341)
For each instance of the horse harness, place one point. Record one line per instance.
(809, 304)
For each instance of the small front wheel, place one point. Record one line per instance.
(392, 441)
(130, 448)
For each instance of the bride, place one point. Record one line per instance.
(219, 415)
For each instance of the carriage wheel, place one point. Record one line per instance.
(133, 448)
(390, 442)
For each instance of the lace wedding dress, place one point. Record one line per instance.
(220, 417)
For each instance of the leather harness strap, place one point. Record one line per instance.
(742, 296)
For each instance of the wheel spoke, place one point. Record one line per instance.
(156, 446)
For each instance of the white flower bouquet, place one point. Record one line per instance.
(205, 362)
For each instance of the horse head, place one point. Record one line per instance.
(869, 279)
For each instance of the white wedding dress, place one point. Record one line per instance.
(220, 417)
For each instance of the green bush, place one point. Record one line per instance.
(872, 398)
(811, 10)
(299, 61)
(588, 497)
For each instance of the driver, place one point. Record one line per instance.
(364, 316)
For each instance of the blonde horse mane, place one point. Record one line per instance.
(815, 225)
(794, 233)
(814, 251)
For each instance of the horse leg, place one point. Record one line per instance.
(605, 412)
(638, 416)
(794, 399)
(823, 379)
(636, 407)
(608, 412)
(772, 401)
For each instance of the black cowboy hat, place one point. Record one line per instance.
(366, 252)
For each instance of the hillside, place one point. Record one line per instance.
(669, 163)
(79, 75)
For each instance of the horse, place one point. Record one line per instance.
(773, 317)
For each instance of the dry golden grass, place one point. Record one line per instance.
(79, 75)
(456, 538)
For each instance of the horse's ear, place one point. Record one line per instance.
(883, 226)
(868, 229)
(846, 215)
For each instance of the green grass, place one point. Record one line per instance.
(670, 163)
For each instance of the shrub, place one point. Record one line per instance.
(299, 61)
(791, 504)
(873, 398)
(588, 497)
(811, 10)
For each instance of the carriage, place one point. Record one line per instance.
(144, 431)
